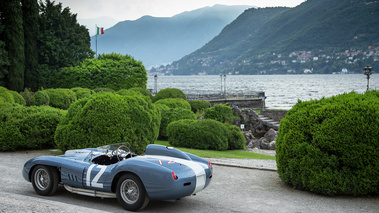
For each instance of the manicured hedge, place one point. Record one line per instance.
(140, 90)
(174, 103)
(236, 139)
(114, 71)
(107, 118)
(82, 92)
(6, 95)
(220, 112)
(199, 105)
(28, 127)
(169, 93)
(40, 98)
(61, 98)
(198, 134)
(331, 146)
(173, 114)
(18, 99)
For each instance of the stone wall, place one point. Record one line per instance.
(275, 115)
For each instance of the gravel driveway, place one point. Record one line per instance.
(232, 190)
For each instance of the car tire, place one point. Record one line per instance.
(131, 193)
(45, 180)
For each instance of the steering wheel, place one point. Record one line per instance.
(118, 158)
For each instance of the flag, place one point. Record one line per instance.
(100, 30)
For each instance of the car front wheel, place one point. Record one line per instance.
(131, 193)
(45, 180)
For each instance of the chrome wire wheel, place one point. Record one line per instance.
(42, 179)
(45, 179)
(129, 191)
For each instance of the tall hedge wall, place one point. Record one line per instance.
(331, 146)
(107, 118)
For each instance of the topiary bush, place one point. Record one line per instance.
(108, 118)
(220, 112)
(331, 146)
(41, 98)
(24, 127)
(61, 98)
(198, 134)
(236, 139)
(169, 93)
(199, 105)
(18, 99)
(6, 95)
(173, 114)
(134, 90)
(82, 92)
(98, 90)
(114, 71)
(174, 103)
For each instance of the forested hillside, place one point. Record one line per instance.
(319, 36)
(157, 41)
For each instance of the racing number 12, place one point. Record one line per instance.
(94, 182)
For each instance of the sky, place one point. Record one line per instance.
(122, 10)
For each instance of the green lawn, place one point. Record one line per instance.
(220, 154)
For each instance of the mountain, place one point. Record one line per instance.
(157, 41)
(320, 36)
(91, 24)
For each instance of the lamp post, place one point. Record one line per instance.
(367, 72)
(221, 84)
(155, 83)
(224, 86)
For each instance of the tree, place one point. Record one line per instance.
(30, 24)
(3, 59)
(62, 41)
(13, 36)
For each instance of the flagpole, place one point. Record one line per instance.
(96, 40)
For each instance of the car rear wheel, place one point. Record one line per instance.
(131, 193)
(45, 180)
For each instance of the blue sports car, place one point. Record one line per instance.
(114, 171)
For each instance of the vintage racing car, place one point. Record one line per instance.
(114, 171)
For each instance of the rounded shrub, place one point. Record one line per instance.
(220, 112)
(24, 127)
(108, 118)
(82, 92)
(236, 139)
(98, 90)
(18, 99)
(174, 103)
(199, 105)
(198, 134)
(61, 98)
(173, 114)
(41, 98)
(331, 146)
(6, 95)
(169, 93)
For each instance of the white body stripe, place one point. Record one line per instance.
(197, 167)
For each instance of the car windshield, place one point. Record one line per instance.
(114, 147)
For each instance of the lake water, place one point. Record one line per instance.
(282, 91)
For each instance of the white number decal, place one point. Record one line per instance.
(94, 182)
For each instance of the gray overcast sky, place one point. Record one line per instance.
(133, 9)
